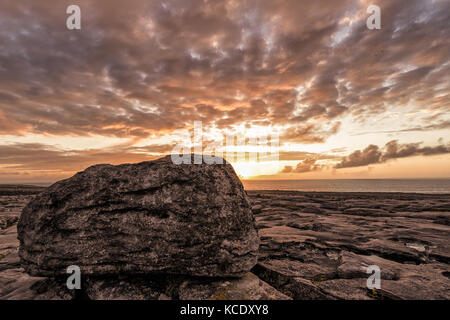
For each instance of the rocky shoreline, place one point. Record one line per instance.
(313, 245)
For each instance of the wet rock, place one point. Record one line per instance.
(141, 218)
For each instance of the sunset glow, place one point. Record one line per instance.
(346, 101)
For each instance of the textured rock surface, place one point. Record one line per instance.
(141, 218)
(312, 248)
(318, 245)
(249, 287)
(126, 288)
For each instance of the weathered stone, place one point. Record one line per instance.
(296, 287)
(16, 285)
(355, 266)
(123, 288)
(303, 255)
(150, 217)
(347, 289)
(166, 287)
(7, 221)
(249, 287)
(318, 256)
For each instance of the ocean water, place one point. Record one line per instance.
(436, 186)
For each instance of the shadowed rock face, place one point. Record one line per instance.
(150, 217)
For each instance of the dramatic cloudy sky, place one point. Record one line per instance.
(346, 101)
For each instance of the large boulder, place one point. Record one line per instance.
(150, 217)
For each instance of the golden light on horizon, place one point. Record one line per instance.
(337, 113)
(249, 170)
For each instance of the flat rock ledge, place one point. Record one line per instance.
(313, 246)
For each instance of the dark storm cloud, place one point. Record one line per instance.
(148, 67)
(392, 150)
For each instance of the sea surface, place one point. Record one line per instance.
(436, 186)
